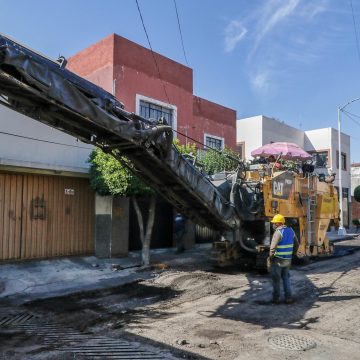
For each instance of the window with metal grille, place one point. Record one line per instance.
(152, 111)
(320, 159)
(343, 160)
(240, 149)
(214, 143)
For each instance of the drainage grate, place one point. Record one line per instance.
(16, 319)
(112, 349)
(292, 342)
(85, 345)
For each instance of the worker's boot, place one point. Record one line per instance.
(289, 300)
(276, 301)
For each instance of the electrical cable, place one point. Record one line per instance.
(45, 141)
(181, 37)
(355, 30)
(350, 113)
(350, 116)
(152, 51)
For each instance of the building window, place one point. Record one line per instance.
(240, 148)
(214, 142)
(154, 109)
(320, 159)
(343, 160)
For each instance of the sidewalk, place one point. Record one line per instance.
(334, 237)
(21, 282)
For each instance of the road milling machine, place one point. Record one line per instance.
(309, 203)
(236, 206)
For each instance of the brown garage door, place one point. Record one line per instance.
(44, 216)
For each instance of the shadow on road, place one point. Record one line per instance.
(255, 305)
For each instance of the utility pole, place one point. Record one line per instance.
(341, 230)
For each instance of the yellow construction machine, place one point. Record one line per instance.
(308, 201)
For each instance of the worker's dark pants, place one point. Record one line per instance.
(280, 273)
(179, 239)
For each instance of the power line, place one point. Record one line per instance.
(181, 37)
(350, 113)
(45, 141)
(350, 116)
(355, 30)
(152, 51)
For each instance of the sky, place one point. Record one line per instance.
(294, 60)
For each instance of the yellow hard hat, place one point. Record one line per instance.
(278, 218)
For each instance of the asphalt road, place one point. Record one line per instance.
(191, 310)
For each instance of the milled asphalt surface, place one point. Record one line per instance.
(21, 282)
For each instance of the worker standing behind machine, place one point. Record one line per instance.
(284, 244)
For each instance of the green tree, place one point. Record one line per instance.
(109, 176)
(357, 193)
(215, 161)
(187, 149)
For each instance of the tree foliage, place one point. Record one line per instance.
(108, 176)
(210, 161)
(187, 149)
(214, 161)
(357, 193)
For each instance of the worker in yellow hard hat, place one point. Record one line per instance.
(283, 244)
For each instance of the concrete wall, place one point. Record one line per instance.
(259, 130)
(111, 226)
(327, 140)
(250, 131)
(213, 119)
(95, 63)
(276, 131)
(71, 156)
(319, 140)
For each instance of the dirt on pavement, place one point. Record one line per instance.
(198, 312)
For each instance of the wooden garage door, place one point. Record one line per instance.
(45, 216)
(10, 216)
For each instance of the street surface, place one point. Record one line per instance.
(194, 311)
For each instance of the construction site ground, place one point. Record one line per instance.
(183, 308)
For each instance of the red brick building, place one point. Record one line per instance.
(128, 70)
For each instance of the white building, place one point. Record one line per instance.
(256, 131)
(27, 145)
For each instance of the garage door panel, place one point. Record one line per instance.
(45, 216)
(10, 216)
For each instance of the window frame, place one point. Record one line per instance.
(206, 135)
(156, 102)
(328, 163)
(241, 144)
(345, 160)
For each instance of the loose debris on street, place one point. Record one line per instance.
(189, 309)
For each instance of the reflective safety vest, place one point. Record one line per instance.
(285, 246)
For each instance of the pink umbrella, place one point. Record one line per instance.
(287, 150)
